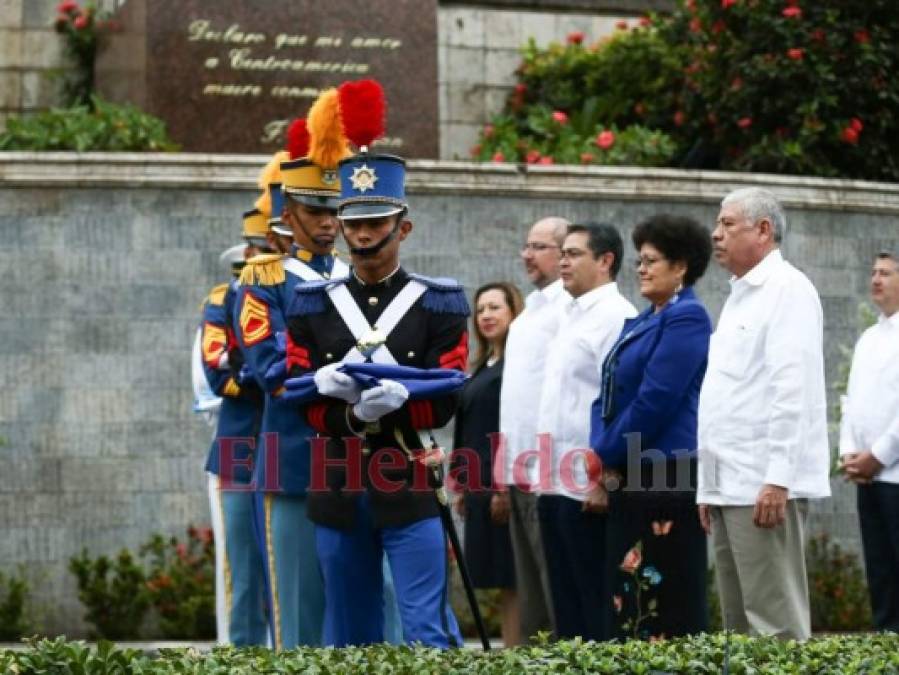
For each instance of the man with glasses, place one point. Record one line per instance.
(763, 446)
(529, 341)
(572, 516)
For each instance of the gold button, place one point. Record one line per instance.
(372, 301)
(411, 355)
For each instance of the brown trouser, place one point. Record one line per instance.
(761, 573)
(531, 578)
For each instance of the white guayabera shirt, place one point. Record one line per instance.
(871, 408)
(763, 407)
(588, 328)
(529, 340)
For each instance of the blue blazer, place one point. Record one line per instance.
(651, 380)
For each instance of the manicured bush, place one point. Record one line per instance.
(702, 654)
(113, 593)
(105, 127)
(789, 86)
(14, 622)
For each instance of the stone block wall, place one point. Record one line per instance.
(106, 258)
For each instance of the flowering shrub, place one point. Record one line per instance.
(789, 86)
(83, 29)
(181, 584)
(837, 591)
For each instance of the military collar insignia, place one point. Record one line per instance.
(363, 178)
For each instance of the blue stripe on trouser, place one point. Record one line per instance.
(393, 624)
(351, 562)
(247, 622)
(293, 578)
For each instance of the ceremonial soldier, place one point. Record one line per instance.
(380, 313)
(240, 598)
(281, 473)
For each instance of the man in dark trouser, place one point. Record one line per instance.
(869, 442)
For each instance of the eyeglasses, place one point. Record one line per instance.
(646, 261)
(536, 247)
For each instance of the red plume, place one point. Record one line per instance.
(362, 111)
(298, 139)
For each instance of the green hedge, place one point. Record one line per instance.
(701, 654)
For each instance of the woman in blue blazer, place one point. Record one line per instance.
(643, 429)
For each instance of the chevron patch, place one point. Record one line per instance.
(254, 321)
(214, 343)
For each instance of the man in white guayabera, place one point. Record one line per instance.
(763, 447)
(869, 441)
(529, 341)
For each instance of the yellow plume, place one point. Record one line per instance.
(327, 144)
(271, 173)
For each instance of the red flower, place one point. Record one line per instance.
(488, 131)
(475, 150)
(498, 157)
(796, 53)
(632, 561)
(80, 22)
(690, 5)
(718, 26)
(695, 25)
(181, 551)
(605, 139)
(621, 25)
(67, 6)
(560, 117)
(575, 38)
(862, 36)
(849, 135)
(856, 124)
(645, 21)
(679, 118)
(587, 157)
(520, 88)
(792, 12)
(532, 157)
(744, 122)
(545, 160)
(727, 3)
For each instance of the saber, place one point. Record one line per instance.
(434, 466)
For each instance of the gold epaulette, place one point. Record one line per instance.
(217, 295)
(264, 269)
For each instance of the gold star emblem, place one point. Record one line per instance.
(363, 178)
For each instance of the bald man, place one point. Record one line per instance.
(524, 360)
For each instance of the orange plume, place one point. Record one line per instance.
(327, 144)
(271, 173)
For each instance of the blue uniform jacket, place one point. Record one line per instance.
(241, 411)
(651, 381)
(260, 313)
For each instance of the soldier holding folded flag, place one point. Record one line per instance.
(383, 314)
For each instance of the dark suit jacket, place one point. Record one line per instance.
(651, 379)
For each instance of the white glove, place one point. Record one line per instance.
(331, 382)
(378, 401)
